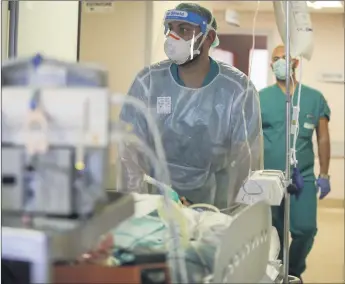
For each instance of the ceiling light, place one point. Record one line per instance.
(324, 4)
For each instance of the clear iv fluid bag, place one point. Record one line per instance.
(301, 31)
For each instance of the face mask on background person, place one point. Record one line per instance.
(279, 69)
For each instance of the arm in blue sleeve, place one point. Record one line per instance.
(246, 141)
(133, 163)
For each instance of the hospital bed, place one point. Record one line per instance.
(51, 254)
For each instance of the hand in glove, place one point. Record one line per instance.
(324, 186)
(297, 183)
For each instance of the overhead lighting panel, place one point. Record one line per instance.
(324, 4)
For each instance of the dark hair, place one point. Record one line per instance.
(201, 11)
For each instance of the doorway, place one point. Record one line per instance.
(236, 50)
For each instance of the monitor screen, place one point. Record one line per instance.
(25, 255)
(15, 271)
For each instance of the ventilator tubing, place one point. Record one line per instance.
(126, 140)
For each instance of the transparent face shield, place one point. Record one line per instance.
(182, 38)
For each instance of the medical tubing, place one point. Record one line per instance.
(121, 136)
(162, 168)
(119, 99)
(31, 173)
(35, 104)
(205, 205)
(178, 216)
(79, 163)
(288, 150)
(295, 135)
(293, 152)
(30, 190)
(173, 194)
(247, 90)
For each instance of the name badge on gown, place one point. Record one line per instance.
(163, 105)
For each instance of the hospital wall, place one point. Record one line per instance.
(49, 28)
(117, 41)
(131, 36)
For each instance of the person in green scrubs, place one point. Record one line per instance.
(314, 115)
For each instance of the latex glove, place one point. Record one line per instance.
(324, 186)
(297, 183)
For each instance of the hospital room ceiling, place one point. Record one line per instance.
(265, 6)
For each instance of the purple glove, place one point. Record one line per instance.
(297, 179)
(325, 187)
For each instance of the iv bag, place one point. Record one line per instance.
(301, 31)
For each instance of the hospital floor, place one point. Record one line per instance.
(326, 260)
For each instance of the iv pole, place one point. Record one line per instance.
(288, 148)
(13, 7)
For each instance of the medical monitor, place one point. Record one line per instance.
(77, 131)
(25, 256)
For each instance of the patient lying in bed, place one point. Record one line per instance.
(199, 233)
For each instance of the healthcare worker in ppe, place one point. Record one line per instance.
(314, 115)
(207, 112)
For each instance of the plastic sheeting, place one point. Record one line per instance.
(212, 136)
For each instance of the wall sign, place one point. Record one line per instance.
(99, 6)
(331, 77)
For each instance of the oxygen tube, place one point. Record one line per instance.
(297, 177)
(176, 251)
(36, 144)
(295, 120)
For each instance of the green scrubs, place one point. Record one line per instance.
(303, 225)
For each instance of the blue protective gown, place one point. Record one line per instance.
(212, 135)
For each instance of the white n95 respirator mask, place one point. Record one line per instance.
(279, 69)
(179, 50)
